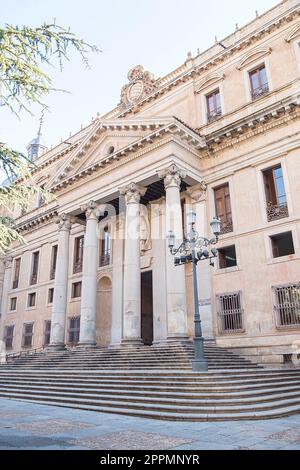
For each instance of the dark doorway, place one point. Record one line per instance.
(147, 307)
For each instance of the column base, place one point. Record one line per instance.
(55, 347)
(199, 366)
(86, 345)
(132, 342)
(180, 338)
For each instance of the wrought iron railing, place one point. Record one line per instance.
(104, 260)
(33, 279)
(52, 273)
(260, 91)
(15, 283)
(214, 115)
(226, 226)
(230, 314)
(287, 306)
(276, 211)
(77, 267)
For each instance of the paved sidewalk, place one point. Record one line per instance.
(25, 425)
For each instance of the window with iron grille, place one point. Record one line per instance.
(50, 295)
(223, 207)
(105, 243)
(9, 336)
(276, 203)
(16, 273)
(27, 335)
(53, 261)
(213, 104)
(78, 254)
(74, 329)
(13, 303)
(259, 82)
(31, 299)
(34, 267)
(230, 313)
(47, 331)
(287, 305)
(282, 244)
(76, 290)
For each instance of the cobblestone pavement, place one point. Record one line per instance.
(25, 425)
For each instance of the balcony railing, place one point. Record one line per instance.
(287, 307)
(214, 115)
(33, 279)
(230, 314)
(260, 91)
(77, 267)
(15, 283)
(276, 211)
(226, 226)
(52, 273)
(104, 260)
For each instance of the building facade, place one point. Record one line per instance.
(221, 134)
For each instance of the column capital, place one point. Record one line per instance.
(198, 191)
(133, 193)
(64, 221)
(7, 261)
(92, 210)
(172, 176)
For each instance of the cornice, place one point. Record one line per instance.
(31, 223)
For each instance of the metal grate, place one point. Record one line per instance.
(74, 330)
(214, 115)
(260, 91)
(287, 305)
(276, 211)
(230, 313)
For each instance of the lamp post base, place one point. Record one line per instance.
(199, 365)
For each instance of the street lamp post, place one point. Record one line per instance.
(193, 249)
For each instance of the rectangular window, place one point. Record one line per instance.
(230, 313)
(53, 261)
(227, 257)
(47, 331)
(74, 330)
(34, 267)
(27, 335)
(287, 305)
(31, 299)
(259, 82)
(76, 290)
(13, 303)
(282, 244)
(78, 254)
(223, 207)
(275, 193)
(105, 248)
(16, 273)
(50, 295)
(213, 104)
(9, 336)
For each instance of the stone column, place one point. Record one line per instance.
(59, 308)
(117, 279)
(132, 269)
(176, 289)
(6, 271)
(90, 265)
(198, 195)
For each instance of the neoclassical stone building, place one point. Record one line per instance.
(221, 134)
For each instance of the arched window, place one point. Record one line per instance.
(105, 247)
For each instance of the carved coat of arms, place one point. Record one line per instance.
(141, 83)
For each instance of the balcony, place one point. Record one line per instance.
(287, 307)
(226, 226)
(214, 115)
(275, 212)
(15, 283)
(52, 274)
(77, 267)
(104, 260)
(260, 91)
(33, 279)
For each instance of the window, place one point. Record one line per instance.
(275, 193)
(50, 295)
(259, 82)
(47, 332)
(213, 104)
(34, 267)
(31, 299)
(13, 303)
(9, 336)
(223, 207)
(105, 248)
(53, 261)
(78, 254)
(42, 199)
(282, 244)
(227, 257)
(287, 305)
(27, 335)
(230, 313)
(74, 330)
(16, 273)
(76, 290)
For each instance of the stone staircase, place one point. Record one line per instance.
(128, 382)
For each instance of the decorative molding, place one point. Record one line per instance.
(141, 84)
(133, 193)
(93, 210)
(294, 33)
(253, 56)
(172, 176)
(64, 222)
(208, 81)
(197, 192)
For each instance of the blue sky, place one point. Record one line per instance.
(154, 33)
